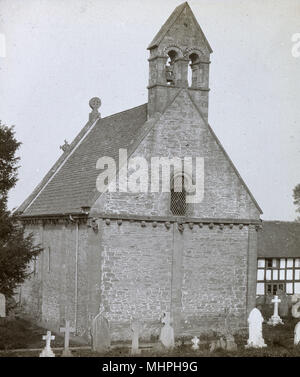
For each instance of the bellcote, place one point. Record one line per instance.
(179, 58)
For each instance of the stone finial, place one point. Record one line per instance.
(95, 104)
(65, 147)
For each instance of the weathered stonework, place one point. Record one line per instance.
(125, 252)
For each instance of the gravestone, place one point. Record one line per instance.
(230, 343)
(255, 321)
(100, 333)
(67, 330)
(283, 309)
(297, 334)
(2, 305)
(275, 319)
(167, 332)
(195, 342)
(296, 306)
(135, 329)
(47, 351)
(222, 343)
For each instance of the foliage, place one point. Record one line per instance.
(16, 248)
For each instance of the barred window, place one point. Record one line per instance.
(178, 197)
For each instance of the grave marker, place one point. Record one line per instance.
(100, 333)
(255, 321)
(47, 351)
(275, 319)
(195, 342)
(67, 330)
(297, 334)
(135, 329)
(2, 305)
(167, 332)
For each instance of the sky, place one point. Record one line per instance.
(57, 54)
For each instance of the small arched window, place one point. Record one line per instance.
(178, 196)
(194, 74)
(170, 71)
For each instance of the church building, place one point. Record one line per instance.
(139, 254)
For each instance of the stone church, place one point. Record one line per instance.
(136, 255)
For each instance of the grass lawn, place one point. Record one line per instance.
(19, 334)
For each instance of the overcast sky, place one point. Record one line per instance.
(60, 53)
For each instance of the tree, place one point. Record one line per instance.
(296, 196)
(16, 248)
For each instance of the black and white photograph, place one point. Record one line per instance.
(149, 182)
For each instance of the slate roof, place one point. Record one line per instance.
(170, 21)
(279, 239)
(73, 184)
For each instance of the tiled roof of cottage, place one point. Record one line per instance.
(72, 183)
(279, 239)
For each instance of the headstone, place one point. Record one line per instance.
(135, 329)
(195, 342)
(222, 343)
(230, 343)
(275, 319)
(2, 306)
(47, 351)
(212, 346)
(283, 309)
(255, 321)
(67, 330)
(297, 334)
(100, 333)
(296, 310)
(167, 332)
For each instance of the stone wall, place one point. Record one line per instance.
(52, 294)
(199, 275)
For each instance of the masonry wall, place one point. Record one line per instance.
(57, 290)
(215, 277)
(181, 132)
(200, 275)
(136, 275)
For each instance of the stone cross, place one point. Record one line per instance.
(47, 351)
(275, 319)
(67, 330)
(135, 328)
(255, 321)
(195, 342)
(2, 305)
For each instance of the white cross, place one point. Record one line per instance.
(195, 342)
(48, 339)
(67, 330)
(276, 301)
